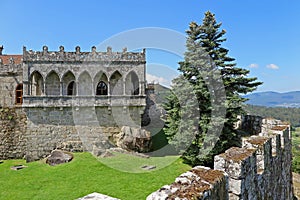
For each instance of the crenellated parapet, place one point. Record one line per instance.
(78, 56)
(201, 183)
(260, 169)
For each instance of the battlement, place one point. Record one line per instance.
(78, 56)
(198, 183)
(260, 169)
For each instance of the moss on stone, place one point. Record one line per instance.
(237, 154)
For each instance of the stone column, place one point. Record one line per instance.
(26, 88)
(61, 89)
(77, 88)
(93, 89)
(141, 90)
(123, 85)
(108, 88)
(44, 89)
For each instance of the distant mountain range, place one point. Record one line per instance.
(269, 99)
(274, 99)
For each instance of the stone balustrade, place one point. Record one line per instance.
(74, 101)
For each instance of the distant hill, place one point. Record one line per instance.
(268, 99)
(275, 99)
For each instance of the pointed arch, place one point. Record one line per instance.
(101, 83)
(19, 94)
(52, 84)
(132, 84)
(85, 84)
(116, 83)
(36, 84)
(69, 85)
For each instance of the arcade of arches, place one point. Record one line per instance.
(84, 85)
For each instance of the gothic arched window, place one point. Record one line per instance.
(71, 88)
(101, 88)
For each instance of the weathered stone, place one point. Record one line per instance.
(18, 167)
(97, 196)
(59, 157)
(146, 167)
(272, 181)
(107, 154)
(133, 139)
(235, 186)
(199, 183)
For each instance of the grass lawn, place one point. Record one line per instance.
(85, 174)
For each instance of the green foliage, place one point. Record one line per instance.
(210, 85)
(296, 150)
(84, 175)
(291, 115)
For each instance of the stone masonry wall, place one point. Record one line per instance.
(260, 170)
(75, 129)
(34, 132)
(9, 82)
(13, 140)
(201, 183)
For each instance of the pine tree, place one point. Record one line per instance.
(217, 85)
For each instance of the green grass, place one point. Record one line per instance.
(296, 149)
(85, 174)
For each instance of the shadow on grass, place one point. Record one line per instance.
(160, 146)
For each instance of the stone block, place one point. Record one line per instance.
(236, 162)
(235, 186)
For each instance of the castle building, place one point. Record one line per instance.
(54, 78)
(69, 99)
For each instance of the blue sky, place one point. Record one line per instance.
(263, 35)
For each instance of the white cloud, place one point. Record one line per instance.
(253, 65)
(272, 66)
(155, 79)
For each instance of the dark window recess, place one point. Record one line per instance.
(71, 88)
(101, 88)
(19, 94)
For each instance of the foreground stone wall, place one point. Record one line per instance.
(260, 170)
(201, 183)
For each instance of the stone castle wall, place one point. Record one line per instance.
(261, 169)
(34, 132)
(13, 126)
(61, 105)
(10, 76)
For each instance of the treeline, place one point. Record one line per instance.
(291, 115)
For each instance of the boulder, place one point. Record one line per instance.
(97, 196)
(100, 147)
(133, 139)
(58, 157)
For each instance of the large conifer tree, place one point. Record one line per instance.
(206, 64)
